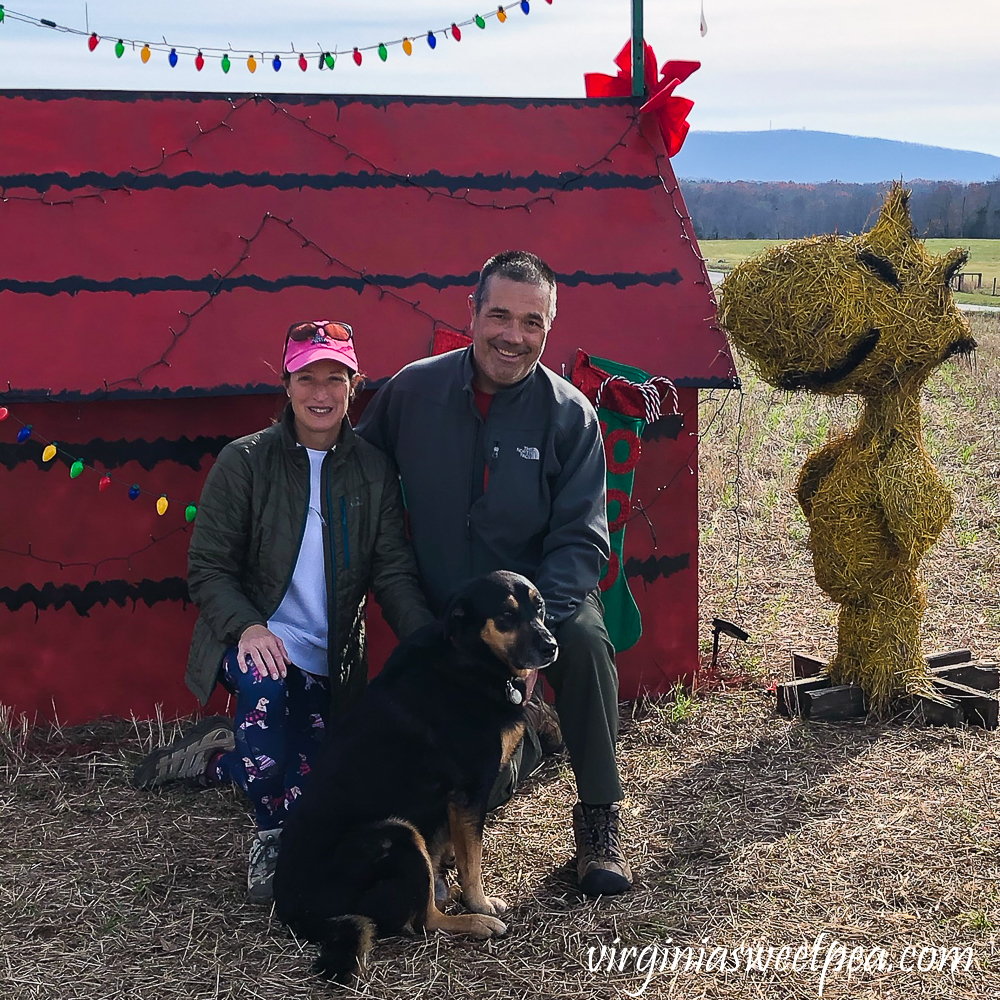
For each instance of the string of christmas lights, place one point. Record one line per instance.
(324, 59)
(582, 170)
(95, 566)
(77, 467)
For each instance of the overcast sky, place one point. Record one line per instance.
(923, 71)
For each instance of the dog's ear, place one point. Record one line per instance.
(455, 619)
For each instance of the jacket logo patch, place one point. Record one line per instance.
(527, 452)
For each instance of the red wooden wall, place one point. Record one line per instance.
(156, 247)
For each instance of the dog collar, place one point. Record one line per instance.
(516, 690)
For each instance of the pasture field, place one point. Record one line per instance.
(879, 838)
(724, 255)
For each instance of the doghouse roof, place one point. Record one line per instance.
(160, 244)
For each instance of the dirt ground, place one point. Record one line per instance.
(871, 846)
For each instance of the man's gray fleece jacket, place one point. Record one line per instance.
(543, 512)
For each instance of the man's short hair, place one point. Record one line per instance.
(516, 265)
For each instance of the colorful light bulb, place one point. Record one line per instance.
(408, 46)
(330, 61)
(1, 12)
(383, 52)
(501, 15)
(119, 48)
(161, 506)
(276, 63)
(525, 6)
(303, 65)
(3, 412)
(92, 41)
(172, 58)
(24, 433)
(199, 62)
(145, 53)
(431, 40)
(357, 57)
(104, 483)
(75, 469)
(225, 64)
(456, 32)
(134, 491)
(480, 22)
(251, 64)
(49, 453)
(190, 513)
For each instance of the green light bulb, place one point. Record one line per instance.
(225, 64)
(329, 61)
(382, 52)
(119, 48)
(75, 469)
(480, 23)
(190, 511)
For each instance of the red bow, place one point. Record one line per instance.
(671, 112)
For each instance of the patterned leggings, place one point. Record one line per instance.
(279, 728)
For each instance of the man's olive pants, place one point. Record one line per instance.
(585, 681)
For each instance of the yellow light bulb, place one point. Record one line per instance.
(49, 453)
(144, 54)
(501, 15)
(252, 64)
(161, 506)
(408, 46)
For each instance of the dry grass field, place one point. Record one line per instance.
(862, 843)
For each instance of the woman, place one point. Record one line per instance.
(295, 525)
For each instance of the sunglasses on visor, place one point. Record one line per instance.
(329, 329)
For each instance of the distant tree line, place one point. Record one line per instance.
(745, 210)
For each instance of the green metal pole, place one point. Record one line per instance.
(638, 51)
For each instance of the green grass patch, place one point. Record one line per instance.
(984, 257)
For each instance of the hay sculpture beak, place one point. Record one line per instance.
(870, 315)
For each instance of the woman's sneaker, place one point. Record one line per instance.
(188, 757)
(263, 858)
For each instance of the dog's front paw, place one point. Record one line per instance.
(483, 926)
(492, 906)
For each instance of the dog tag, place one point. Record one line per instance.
(514, 696)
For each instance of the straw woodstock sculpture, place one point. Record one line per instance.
(870, 315)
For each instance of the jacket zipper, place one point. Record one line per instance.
(343, 532)
(331, 611)
(298, 546)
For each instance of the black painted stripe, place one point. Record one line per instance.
(23, 395)
(74, 284)
(337, 100)
(654, 568)
(51, 596)
(432, 179)
(668, 426)
(114, 454)
(155, 392)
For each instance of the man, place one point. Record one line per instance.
(503, 467)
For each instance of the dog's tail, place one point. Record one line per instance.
(344, 942)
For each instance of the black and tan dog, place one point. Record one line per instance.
(409, 770)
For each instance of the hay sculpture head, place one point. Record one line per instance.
(870, 315)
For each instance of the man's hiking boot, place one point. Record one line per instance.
(544, 719)
(600, 865)
(188, 757)
(263, 858)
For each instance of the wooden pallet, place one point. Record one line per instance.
(964, 693)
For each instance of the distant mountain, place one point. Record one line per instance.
(814, 157)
